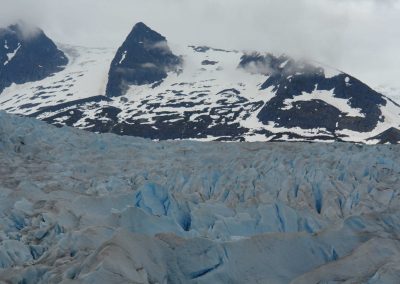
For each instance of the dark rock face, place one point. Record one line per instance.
(208, 62)
(27, 56)
(290, 79)
(143, 58)
(201, 49)
(391, 136)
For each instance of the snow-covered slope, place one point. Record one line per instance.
(164, 91)
(84, 77)
(78, 207)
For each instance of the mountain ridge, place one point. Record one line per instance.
(204, 93)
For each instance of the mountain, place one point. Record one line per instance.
(79, 207)
(152, 89)
(144, 58)
(27, 55)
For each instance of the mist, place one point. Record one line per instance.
(359, 37)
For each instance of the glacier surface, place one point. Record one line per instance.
(79, 207)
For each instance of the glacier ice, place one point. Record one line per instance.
(78, 207)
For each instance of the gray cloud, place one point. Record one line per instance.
(358, 36)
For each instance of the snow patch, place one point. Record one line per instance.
(11, 55)
(328, 97)
(122, 57)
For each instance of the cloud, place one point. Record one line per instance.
(161, 45)
(27, 31)
(259, 68)
(149, 65)
(357, 36)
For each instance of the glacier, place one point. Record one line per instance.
(80, 207)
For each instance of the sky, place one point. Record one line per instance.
(360, 37)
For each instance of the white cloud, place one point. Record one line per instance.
(358, 36)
